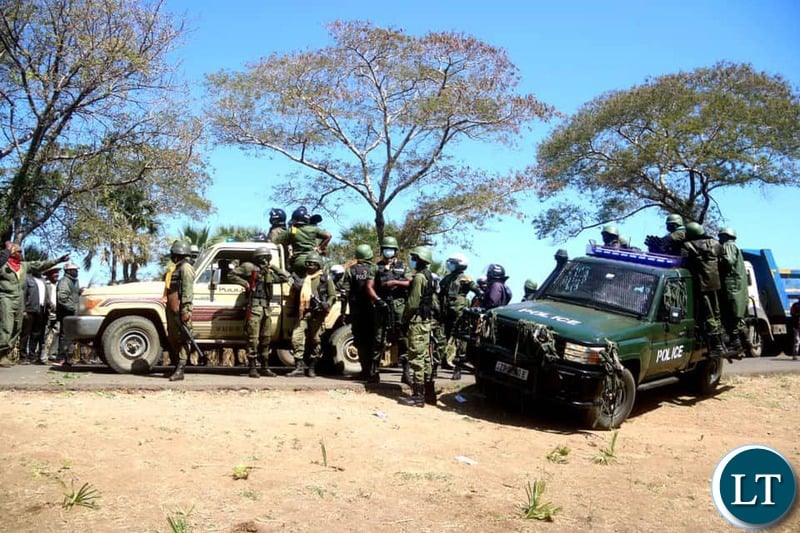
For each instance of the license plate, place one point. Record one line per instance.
(511, 370)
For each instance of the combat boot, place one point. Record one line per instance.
(735, 347)
(417, 398)
(251, 365)
(310, 370)
(716, 348)
(265, 367)
(299, 369)
(430, 393)
(456, 370)
(374, 373)
(177, 375)
(406, 377)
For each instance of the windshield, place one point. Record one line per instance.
(604, 285)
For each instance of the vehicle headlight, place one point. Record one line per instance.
(587, 355)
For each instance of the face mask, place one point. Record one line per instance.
(263, 261)
(412, 263)
(451, 267)
(388, 253)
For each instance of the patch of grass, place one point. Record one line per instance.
(320, 491)
(558, 454)
(535, 508)
(178, 522)
(241, 471)
(250, 495)
(608, 453)
(86, 496)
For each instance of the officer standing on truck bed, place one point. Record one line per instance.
(257, 280)
(304, 237)
(734, 284)
(179, 286)
(670, 243)
(702, 254)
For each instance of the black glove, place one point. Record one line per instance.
(381, 304)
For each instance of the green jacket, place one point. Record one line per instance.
(258, 282)
(734, 276)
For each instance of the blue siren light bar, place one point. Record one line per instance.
(631, 256)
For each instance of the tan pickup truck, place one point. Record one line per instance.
(126, 323)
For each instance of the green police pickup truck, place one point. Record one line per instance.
(601, 328)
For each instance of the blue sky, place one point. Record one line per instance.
(568, 52)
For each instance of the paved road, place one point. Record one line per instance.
(86, 377)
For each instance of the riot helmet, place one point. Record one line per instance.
(277, 217)
(262, 255)
(389, 247)
(610, 234)
(674, 221)
(495, 271)
(300, 216)
(694, 230)
(363, 251)
(530, 285)
(180, 249)
(456, 262)
(727, 234)
(421, 253)
(313, 261)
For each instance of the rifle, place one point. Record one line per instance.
(190, 340)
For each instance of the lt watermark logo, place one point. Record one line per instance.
(754, 487)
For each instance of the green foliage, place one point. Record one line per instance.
(670, 144)
(86, 496)
(241, 472)
(178, 521)
(607, 454)
(558, 454)
(97, 121)
(373, 117)
(535, 508)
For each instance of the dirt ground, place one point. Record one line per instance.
(351, 461)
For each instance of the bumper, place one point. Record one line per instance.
(564, 383)
(78, 328)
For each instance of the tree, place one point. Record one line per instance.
(374, 117)
(88, 105)
(670, 144)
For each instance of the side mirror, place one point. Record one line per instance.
(676, 314)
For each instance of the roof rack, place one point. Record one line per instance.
(633, 256)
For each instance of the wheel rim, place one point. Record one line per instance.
(350, 352)
(135, 344)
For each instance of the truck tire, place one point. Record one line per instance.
(131, 345)
(607, 416)
(756, 344)
(708, 374)
(345, 355)
(285, 356)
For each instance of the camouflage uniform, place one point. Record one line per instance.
(258, 283)
(311, 317)
(420, 307)
(303, 240)
(702, 255)
(180, 293)
(734, 283)
(13, 274)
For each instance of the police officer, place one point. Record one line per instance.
(179, 287)
(671, 243)
(530, 289)
(303, 237)
(258, 279)
(194, 253)
(314, 294)
(359, 285)
(454, 290)
(277, 224)
(13, 272)
(420, 307)
(67, 295)
(391, 286)
(702, 254)
(734, 284)
(610, 235)
(497, 292)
